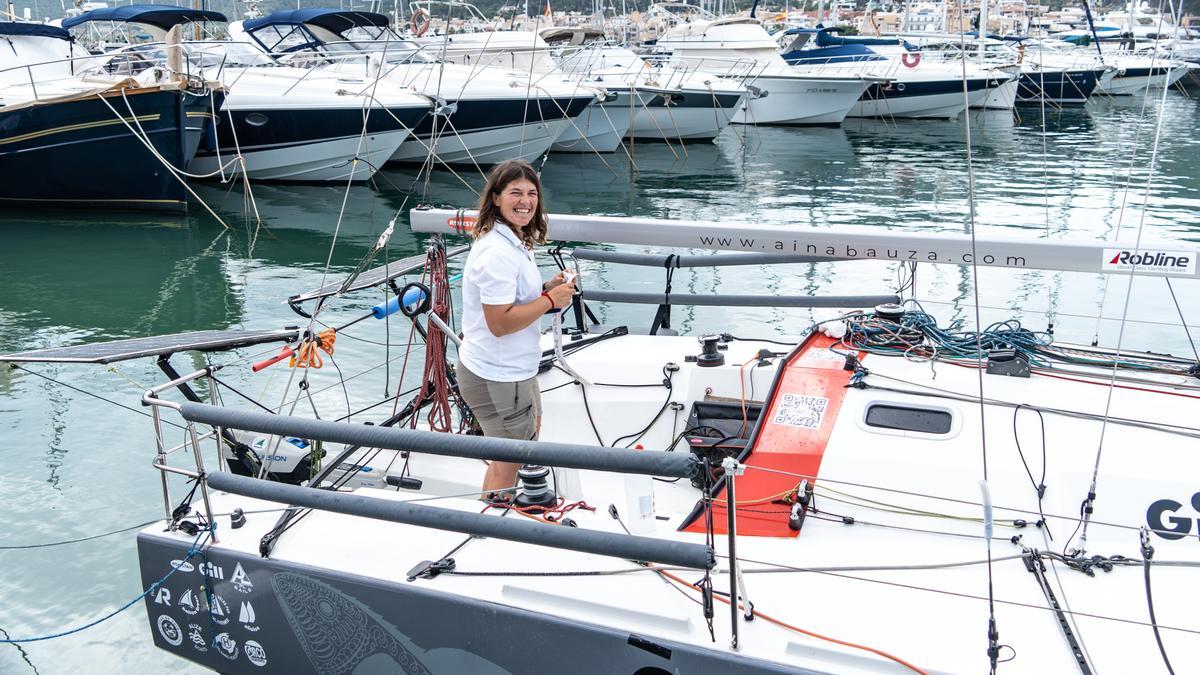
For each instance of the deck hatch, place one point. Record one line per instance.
(907, 418)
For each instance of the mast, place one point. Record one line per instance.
(983, 22)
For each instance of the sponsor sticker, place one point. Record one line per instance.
(196, 637)
(212, 570)
(1149, 261)
(246, 617)
(219, 609)
(182, 565)
(240, 580)
(163, 597)
(189, 603)
(461, 224)
(169, 629)
(255, 653)
(226, 646)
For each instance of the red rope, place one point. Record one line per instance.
(553, 514)
(435, 386)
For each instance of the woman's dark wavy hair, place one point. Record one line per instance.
(500, 177)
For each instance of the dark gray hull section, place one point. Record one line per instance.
(277, 616)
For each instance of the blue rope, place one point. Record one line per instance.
(196, 546)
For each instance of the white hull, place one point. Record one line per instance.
(1003, 97)
(599, 128)
(799, 100)
(668, 123)
(527, 142)
(1132, 86)
(331, 160)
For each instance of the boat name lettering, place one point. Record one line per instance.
(853, 252)
(1171, 262)
(1162, 518)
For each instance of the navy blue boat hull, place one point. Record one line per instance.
(78, 154)
(1070, 86)
(268, 129)
(471, 115)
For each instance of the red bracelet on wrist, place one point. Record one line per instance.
(546, 295)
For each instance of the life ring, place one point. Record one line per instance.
(419, 23)
(910, 62)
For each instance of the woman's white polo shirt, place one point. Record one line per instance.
(499, 271)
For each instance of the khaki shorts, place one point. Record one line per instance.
(503, 409)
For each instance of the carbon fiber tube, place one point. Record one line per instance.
(714, 260)
(741, 300)
(562, 455)
(629, 547)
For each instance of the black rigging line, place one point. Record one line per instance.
(88, 393)
(1039, 486)
(1186, 330)
(668, 382)
(228, 386)
(1147, 553)
(80, 539)
(24, 654)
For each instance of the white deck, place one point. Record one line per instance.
(934, 618)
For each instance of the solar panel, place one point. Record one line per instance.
(155, 345)
(373, 277)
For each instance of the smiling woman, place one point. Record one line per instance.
(503, 298)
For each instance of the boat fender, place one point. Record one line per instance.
(419, 23)
(910, 59)
(412, 300)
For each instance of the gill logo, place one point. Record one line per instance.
(461, 224)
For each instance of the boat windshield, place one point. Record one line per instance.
(227, 53)
(108, 35)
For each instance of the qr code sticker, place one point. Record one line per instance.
(796, 410)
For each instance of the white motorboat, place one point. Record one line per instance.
(741, 50)
(1139, 72)
(485, 115)
(286, 124)
(667, 101)
(63, 120)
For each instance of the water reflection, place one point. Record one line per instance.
(113, 278)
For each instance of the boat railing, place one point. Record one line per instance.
(19, 74)
(666, 298)
(221, 420)
(744, 70)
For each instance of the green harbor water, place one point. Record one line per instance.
(75, 463)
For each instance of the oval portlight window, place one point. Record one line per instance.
(899, 86)
(904, 418)
(256, 119)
